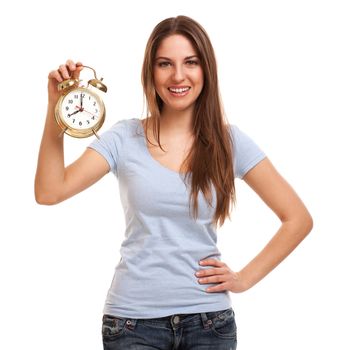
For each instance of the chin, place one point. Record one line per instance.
(179, 107)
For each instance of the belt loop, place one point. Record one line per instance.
(206, 322)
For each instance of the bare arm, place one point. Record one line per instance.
(53, 181)
(297, 222)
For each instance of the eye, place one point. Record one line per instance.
(163, 64)
(192, 62)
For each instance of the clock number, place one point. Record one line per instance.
(70, 101)
(80, 123)
(88, 121)
(73, 120)
(76, 96)
(83, 95)
(94, 103)
(67, 108)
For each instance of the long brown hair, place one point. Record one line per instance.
(210, 159)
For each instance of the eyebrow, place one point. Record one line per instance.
(166, 58)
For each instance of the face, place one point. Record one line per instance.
(178, 74)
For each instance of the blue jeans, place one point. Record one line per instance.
(202, 331)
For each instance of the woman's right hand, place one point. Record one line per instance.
(65, 71)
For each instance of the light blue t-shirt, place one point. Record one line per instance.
(163, 244)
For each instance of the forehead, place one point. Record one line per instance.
(175, 45)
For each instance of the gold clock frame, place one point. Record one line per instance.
(79, 133)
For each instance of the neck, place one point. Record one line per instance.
(177, 122)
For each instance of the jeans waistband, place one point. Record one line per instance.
(176, 320)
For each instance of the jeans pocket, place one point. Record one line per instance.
(224, 324)
(112, 326)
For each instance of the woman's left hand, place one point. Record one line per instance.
(221, 274)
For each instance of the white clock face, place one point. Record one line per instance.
(81, 109)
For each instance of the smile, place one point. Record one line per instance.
(179, 91)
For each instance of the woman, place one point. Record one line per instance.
(176, 172)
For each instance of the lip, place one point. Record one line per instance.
(179, 87)
(174, 94)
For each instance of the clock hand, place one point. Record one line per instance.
(69, 115)
(90, 113)
(81, 100)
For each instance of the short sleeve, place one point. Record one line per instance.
(247, 153)
(110, 145)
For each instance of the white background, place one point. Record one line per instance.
(284, 78)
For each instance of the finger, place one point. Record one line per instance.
(63, 70)
(213, 262)
(209, 272)
(71, 65)
(212, 279)
(55, 75)
(219, 288)
(75, 68)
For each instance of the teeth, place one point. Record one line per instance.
(179, 90)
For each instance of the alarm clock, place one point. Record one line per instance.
(80, 111)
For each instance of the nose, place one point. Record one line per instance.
(178, 74)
